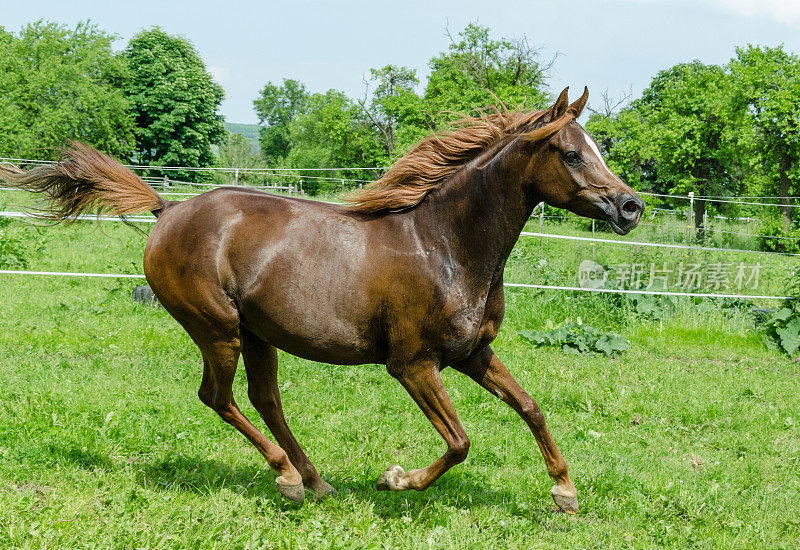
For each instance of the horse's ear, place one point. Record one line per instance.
(577, 107)
(560, 106)
(560, 115)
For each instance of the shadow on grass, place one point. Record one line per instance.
(83, 459)
(184, 473)
(454, 490)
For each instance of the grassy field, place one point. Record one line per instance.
(689, 439)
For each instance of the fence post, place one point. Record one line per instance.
(343, 185)
(593, 237)
(236, 176)
(166, 181)
(541, 229)
(690, 221)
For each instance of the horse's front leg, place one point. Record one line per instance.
(422, 381)
(487, 370)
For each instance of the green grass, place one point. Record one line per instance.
(688, 439)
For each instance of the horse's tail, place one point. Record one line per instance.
(85, 180)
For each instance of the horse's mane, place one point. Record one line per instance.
(429, 163)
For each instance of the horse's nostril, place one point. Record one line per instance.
(630, 206)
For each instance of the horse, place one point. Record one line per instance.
(408, 273)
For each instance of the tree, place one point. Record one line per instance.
(175, 101)
(395, 110)
(57, 84)
(685, 109)
(767, 93)
(276, 107)
(235, 152)
(329, 134)
(626, 148)
(676, 136)
(329, 130)
(476, 71)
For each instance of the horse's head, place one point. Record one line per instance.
(569, 172)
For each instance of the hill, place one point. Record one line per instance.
(249, 131)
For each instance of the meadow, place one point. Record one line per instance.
(688, 439)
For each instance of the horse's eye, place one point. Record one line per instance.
(572, 157)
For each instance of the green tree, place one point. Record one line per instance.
(677, 135)
(685, 108)
(767, 93)
(276, 107)
(330, 134)
(175, 100)
(235, 152)
(394, 111)
(58, 83)
(330, 130)
(477, 70)
(621, 135)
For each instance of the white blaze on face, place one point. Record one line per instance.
(593, 146)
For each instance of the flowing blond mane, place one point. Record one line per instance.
(437, 157)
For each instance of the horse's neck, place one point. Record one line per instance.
(480, 211)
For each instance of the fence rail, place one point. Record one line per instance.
(510, 285)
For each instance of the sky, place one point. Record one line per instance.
(608, 45)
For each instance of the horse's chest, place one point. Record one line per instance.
(473, 327)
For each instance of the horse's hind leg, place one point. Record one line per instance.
(487, 370)
(261, 364)
(219, 367)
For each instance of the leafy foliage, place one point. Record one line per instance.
(783, 327)
(767, 93)
(331, 130)
(676, 135)
(58, 83)
(652, 306)
(477, 70)
(13, 252)
(328, 134)
(276, 107)
(235, 152)
(775, 238)
(395, 113)
(714, 130)
(575, 337)
(175, 101)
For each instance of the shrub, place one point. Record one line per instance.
(776, 239)
(783, 327)
(12, 252)
(575, 337)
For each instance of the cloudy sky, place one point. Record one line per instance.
(613, 45)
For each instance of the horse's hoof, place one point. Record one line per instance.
(567, 501)
(325, 490)
(390, 479)
(294, 493)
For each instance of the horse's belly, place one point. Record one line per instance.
(325, 326)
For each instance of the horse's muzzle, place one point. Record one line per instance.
(628, 212)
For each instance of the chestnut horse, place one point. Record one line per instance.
(409, 274)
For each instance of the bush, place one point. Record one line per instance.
(783, 328)
(575, 337)
(776, 239)
(12, 252)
